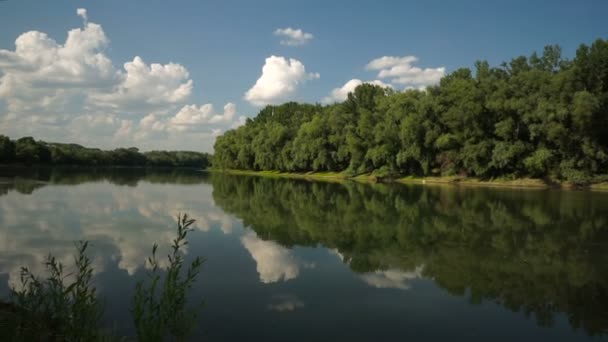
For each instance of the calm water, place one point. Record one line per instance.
(302, 261)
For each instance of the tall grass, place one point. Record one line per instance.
(159, 308)
(65, 306)
(55, 308)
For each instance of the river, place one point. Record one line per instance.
(319, 261)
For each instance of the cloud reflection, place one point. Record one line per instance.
(393, 278)
(274, 262)
(122, 223)
(285, 303)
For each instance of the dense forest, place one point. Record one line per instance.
(536, 116)
(537, 252)
(29, 151)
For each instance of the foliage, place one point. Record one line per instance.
(159, 308)
(55, 308)
(537, 116)
(29, 151)
(65, 306)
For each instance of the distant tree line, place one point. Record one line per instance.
(537, 116)
(31, 152)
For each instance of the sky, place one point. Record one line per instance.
(176, 74)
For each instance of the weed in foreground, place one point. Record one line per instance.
(159, 308)
(65, 306)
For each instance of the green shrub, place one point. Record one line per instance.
(55, 308)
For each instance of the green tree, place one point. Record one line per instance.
(7, 149)
(29, 151)
(537, 116)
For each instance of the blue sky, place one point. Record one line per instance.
(222, 46)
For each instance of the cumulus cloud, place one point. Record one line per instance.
(193, 115)
(274, 262)
(41, 69)
(293, 37)
(392, 279)
(125, 129)
(40, 73)
(239, 122)
(340, 94)
(72, 91)
(279, 80)
(202, 118)
(147, 86)
(400, 70)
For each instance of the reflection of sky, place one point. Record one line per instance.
(393, 278)
(274, 262)
(254, 289)
(126, 221)
(285, 303)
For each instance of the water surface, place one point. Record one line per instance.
(299, 260)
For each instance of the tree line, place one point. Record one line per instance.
(537, 116)
(28, 151)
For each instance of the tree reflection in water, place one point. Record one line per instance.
(539, 252)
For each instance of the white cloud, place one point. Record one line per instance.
(239, 122)
(192, 118)
(82, 12)
(274, 262)
(71, 92)
(400, 70)
(192, 123)
(279, 80)
(147, 86)
(40, 73)
(392, 279)
(125, 129)
(389, 62)
(340, 94)
(151, 127)
(193, 115)
(293, 37)
(84, 125)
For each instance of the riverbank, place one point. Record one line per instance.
(533, 183)
(318, 176)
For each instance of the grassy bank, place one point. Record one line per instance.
(533, 183)
(464, 181)
(322, 176)
(600, 186)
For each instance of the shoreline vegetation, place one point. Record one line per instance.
(533, 183)
(538, 117)
(27, 151)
